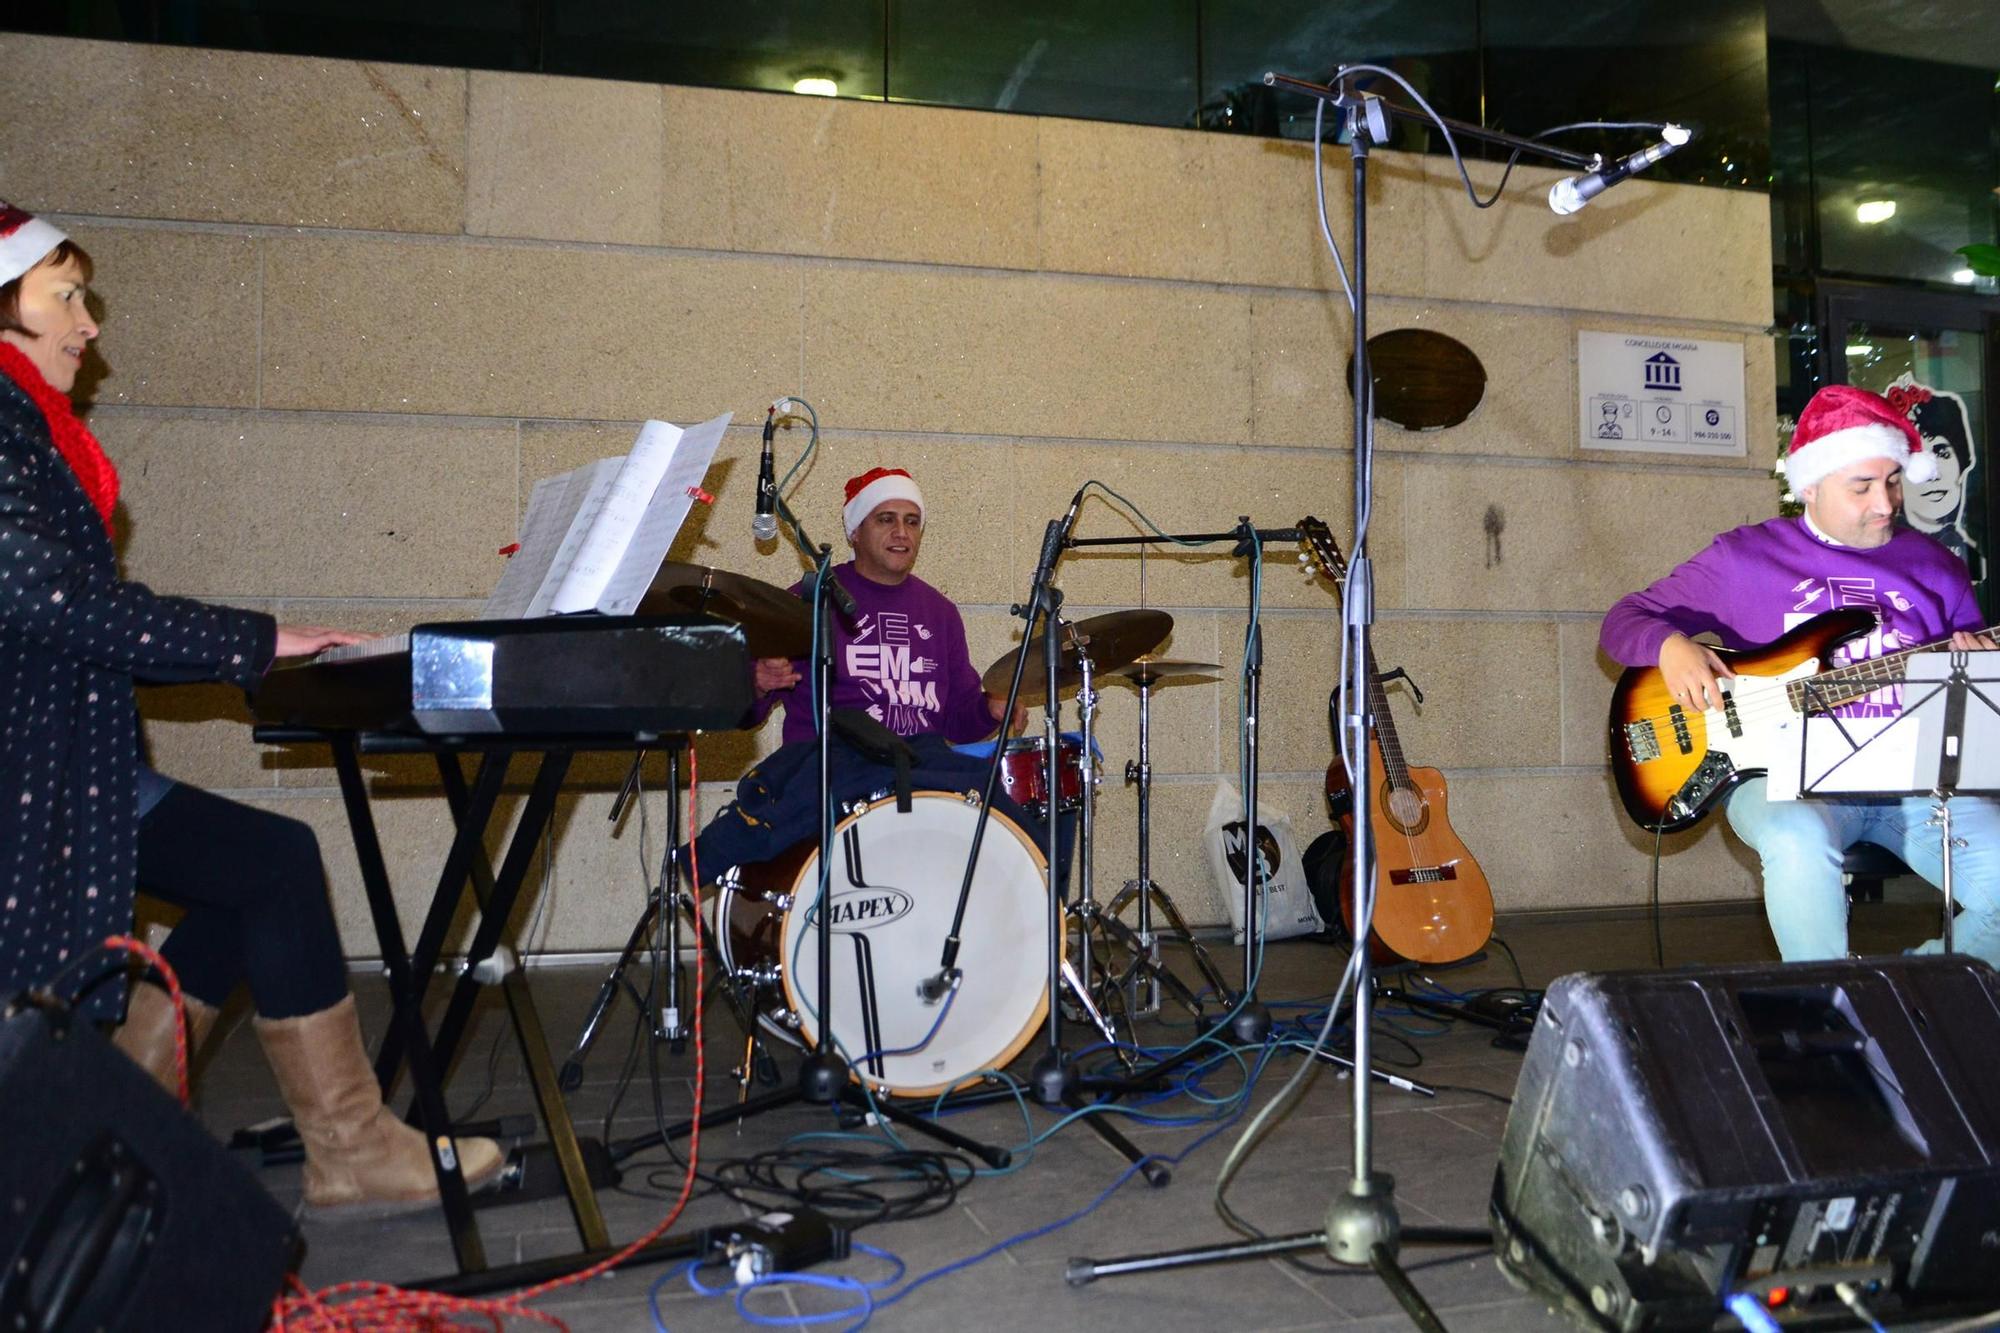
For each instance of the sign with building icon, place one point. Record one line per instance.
(1660, 395)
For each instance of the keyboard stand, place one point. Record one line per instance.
(408, 1042)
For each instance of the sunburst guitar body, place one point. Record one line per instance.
(1673, 764)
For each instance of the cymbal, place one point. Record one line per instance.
(1150, 673)
(775, 623)
(1112, 640)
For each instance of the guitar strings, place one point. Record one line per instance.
(1776, 704)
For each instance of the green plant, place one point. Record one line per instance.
(1981, 259)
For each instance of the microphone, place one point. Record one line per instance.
(765, 525)
(1056, 534)
(1573, 192)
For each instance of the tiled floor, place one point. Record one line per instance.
(1441, 1150)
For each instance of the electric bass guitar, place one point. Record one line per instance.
(1673, 764)
(1432, 902)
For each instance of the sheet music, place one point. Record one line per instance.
(1901, 754)
(593, 538)
(686, 464)
(552, 506)
(1890, 762)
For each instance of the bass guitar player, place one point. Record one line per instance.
(1892, 590)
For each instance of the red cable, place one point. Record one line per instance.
(382, 1308)
(166, 970)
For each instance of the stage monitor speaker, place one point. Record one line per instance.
(1679, 1137)
(117, 1210)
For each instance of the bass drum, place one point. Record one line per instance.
(894, 890)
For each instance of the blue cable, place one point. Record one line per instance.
(831, 1282)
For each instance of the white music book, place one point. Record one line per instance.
(594, 538)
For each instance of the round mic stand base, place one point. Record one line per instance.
(823, 1077)
(1251, 1024)
(1361, 1217)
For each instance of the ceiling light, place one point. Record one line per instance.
(1861, 349)
(1872, 211)
(1963, 276)
(817, 85)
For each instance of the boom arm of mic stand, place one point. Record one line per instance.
(1335, 95)
(947, 977)
(842, 598)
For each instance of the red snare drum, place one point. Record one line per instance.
(1024, 772)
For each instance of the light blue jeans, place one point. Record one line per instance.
(1801, 844)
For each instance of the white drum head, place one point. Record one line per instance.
(894, 888)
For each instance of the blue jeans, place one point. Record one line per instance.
(1801, 844)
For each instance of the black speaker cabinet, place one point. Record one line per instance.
(117, 1210)
(1677, 1137)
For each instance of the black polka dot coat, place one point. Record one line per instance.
(73, 639)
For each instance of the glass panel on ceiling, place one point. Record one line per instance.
(1697, 61)
(1434, 46)
(1124, 60)
(771, 44)
(1903, 164)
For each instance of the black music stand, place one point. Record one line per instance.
(1936, 746)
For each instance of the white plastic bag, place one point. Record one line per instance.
(1288, 902)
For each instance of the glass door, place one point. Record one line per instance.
(1933, 355)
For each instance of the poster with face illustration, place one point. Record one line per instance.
(1938, 508)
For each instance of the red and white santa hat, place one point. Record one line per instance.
(876, 487)
(1844, 425)
(25, 241)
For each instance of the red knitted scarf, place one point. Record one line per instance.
(73, 439)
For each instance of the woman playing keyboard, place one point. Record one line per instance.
(84, 823)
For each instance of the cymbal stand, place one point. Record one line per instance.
(1148, 972)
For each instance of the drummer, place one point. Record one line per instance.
(903, 659)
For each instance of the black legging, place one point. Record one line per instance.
(255, 896)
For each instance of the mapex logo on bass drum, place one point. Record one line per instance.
(865, 909)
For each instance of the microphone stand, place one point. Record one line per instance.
(825, 1077)
(1362, 1227)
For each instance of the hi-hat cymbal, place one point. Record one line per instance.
(1111, 640)
(775, 623)
(1150, 673)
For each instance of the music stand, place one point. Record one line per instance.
(1936, 746)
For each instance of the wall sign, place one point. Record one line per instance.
(1660, 395)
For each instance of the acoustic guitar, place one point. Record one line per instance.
(1673, 764)
(1432, 902)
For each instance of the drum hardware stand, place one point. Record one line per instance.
(666, 1022)
(1250, 1021)
(1144, 980)
(1362, 1227)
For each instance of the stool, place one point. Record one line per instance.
(1864, 866)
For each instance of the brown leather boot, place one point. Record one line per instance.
(357, 1151)
(147, 1034)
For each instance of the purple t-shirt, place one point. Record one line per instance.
(903, 661)
(1755, 583)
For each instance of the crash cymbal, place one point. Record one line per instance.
(1151, 673)
(775, 623)
(1112, 640)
